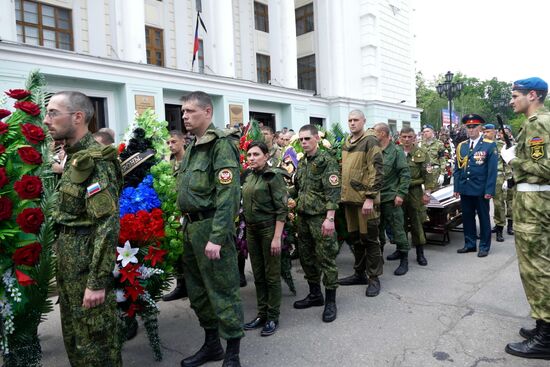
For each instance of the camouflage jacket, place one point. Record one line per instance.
(265, 196)
(421, 168)
(504, 171)
(89, 191)
(208, 180)
(436, 151)
(532, 164)
(362, 169)
(317, 184)
(397, 176)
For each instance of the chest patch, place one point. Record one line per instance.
(225, 176)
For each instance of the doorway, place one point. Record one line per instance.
(172, 113)
(268, 119)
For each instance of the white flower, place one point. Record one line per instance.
(326, 143)
(300, 155)
(127, 254)
(116, 271)
(120, 297)
(321, 134)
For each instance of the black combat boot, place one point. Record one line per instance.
(373, 289)
(329, 314)
(499, 234)
(314, 298)
(179, 292)
(211, 350)
(403, 267)
(510, 227)
(529, 333)
(232, 355)
(355, 279)
(537, 347)
(420, 258)
(396, 255)
(494, 229)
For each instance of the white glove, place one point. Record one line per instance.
(440, 180)
(508, 154)
(505, 185)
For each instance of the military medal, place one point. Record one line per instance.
(479, 157)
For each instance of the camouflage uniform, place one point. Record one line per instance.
(503, 199)
(265, 202)
(318, 187)
(362, 178)
(275, 155)
(88, 222)
(413, 206)
(208, 196)
(397, 178)
(532, 212)
(436, 151)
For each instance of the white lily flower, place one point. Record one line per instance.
(127, 254)
(326, 143)
(120, 296)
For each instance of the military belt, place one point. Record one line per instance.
(198, 216)
(78, 230)
(261, 225)
(527, 187)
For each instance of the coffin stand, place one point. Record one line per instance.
(444, 215)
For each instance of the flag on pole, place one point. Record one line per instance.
(196, 41)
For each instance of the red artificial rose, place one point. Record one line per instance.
(24, 279)
(2, 149)
(27, 255)
(18, 93)
(4, 128)
(4, 113)
(121, 147)
(30, 155)
(29, 107)
(30, 220)
(6, 208)
(29, 187)
(4, 179)
(33, 133)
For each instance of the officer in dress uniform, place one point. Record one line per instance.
(475, 178)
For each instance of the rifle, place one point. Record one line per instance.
(511, 181)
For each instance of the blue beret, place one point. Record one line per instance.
(427, 126)
(472, 119)
(530, 84)
(489, 126)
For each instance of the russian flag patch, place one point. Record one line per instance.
(93, 189)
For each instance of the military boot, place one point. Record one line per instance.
(499, 234)
(355, 279)
(529, 333)
(510, 227)
(211, 350)
(314, 298)
(403, 267)
(232, 355)
(537, 347)
(420, 258)
(396, 255)
(329, 314)
(179, 292)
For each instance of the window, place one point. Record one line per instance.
(406, 124)
(154, 45)
(44, 25)
(316, 121)
(393, 127)
(261, 17)
(200, 56)
(263, 68)
(304, 19)
(307, 78)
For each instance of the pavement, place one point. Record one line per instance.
(460, 310)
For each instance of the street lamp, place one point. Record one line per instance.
(449, 90)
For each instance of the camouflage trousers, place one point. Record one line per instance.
(90, 335)
(317, 252)
(392, 216)
(212, 285)
(502, 203)
(267, 271)
(532, 235)
(414, 212)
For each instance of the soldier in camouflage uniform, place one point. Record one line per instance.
(87, 216)
(208, 196)
(420, 189)
(275, 151)
(531, 166)
(397, 178)
(362, 179)
(436, 150)
(318, 188)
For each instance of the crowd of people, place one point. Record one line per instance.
(382, 185)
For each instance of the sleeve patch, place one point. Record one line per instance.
(225, 176)
(334, 180)
(93, 189)
(102, 204)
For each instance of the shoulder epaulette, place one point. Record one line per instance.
(485, 140)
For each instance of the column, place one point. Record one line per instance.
(282, 43)
(8, 31)
(96, 29)
(220, 55)
(130, 18)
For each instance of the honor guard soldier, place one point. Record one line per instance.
(531, 166)
(475, 177)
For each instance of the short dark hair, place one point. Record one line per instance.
(104, 136)
(541, 94)
(406, 130)
(311, 128)
(77, 101)
(267, 128)
(177, 133)
(203, 100)
(260, 144)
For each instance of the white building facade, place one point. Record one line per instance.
(284, 62)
